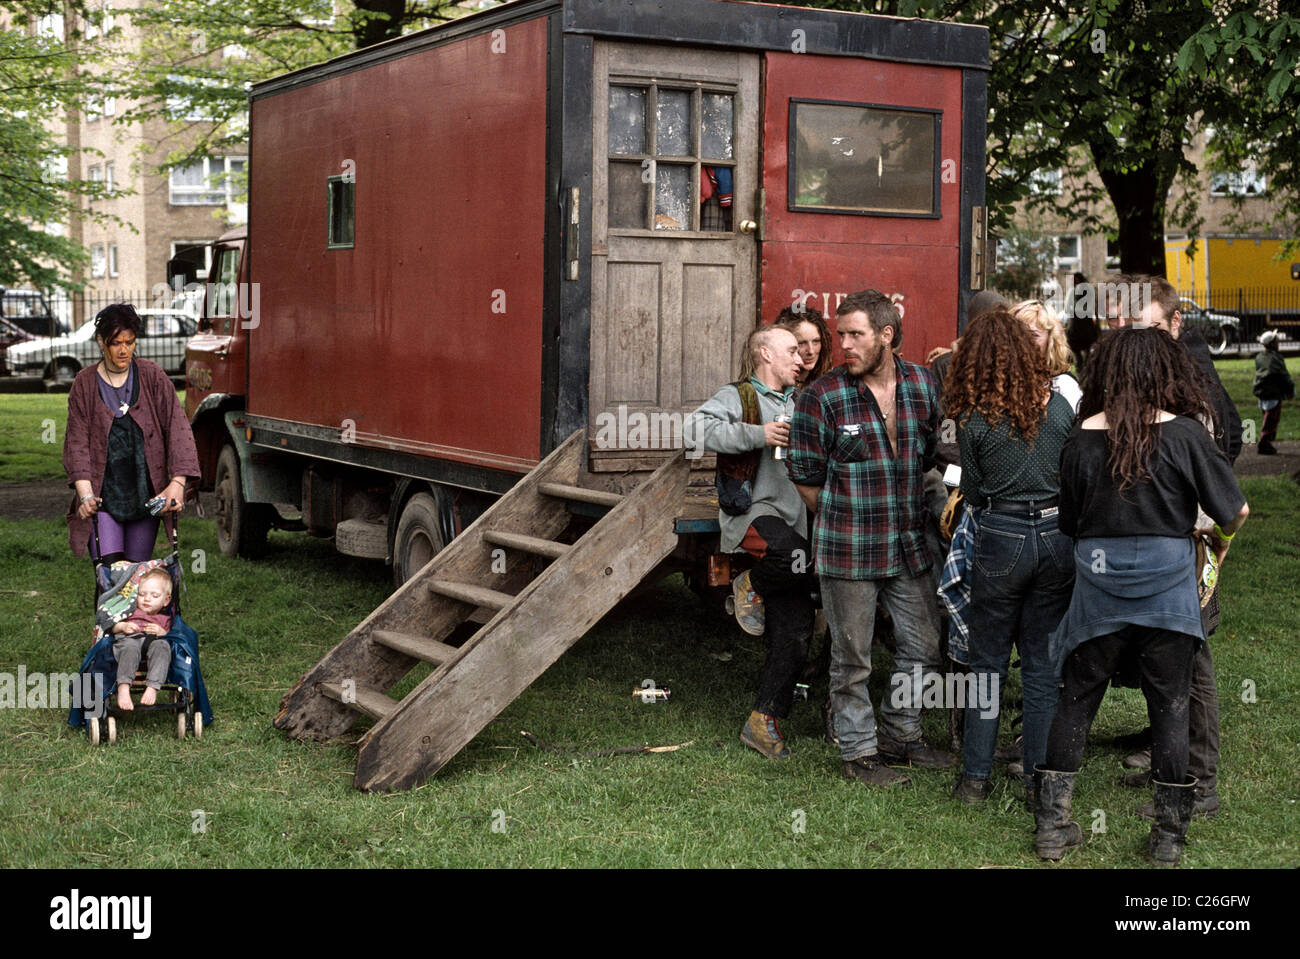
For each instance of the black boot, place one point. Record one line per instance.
(1056, 832)
(1173, 813)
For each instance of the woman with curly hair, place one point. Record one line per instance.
(814, 338)
(1132, 474)
(1011, 426)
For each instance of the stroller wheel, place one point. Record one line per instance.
(197, 725)
(92, 729)
(112, 729)
(180, 725)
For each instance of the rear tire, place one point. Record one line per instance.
(418, 538)
(198, 725)
(92, 730)
(112, 730)
(180, 725)
(241, 526)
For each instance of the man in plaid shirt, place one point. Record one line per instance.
(860, 442)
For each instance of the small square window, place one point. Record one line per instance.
(342, 213)
(863, 158)
(112, 259)
(97, 263)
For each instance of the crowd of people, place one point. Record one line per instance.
(1083, 524)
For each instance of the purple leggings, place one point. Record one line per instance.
(134, 539)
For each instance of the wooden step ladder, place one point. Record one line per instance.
(533, 619)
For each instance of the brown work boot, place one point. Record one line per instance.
(915, 753)
(748, 605)
(871, 772)
(971, 791)
(761, 734)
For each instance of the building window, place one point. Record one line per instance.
(97, 262)
(1242, 183)
(863, 158)
(112, 259)
(108, 176)
(342, 212)
(1067, 254)
(110, 106)
(208, 182)
(1045, 182)
(95, 174)
(1112, 254)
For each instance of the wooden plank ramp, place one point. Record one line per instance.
(539, 617)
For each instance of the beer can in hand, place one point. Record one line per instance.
(779, 452)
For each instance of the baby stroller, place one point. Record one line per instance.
(188, 699)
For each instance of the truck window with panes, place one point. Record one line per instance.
(672, 160)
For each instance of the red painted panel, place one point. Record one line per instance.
(831, 254)
(428, 334)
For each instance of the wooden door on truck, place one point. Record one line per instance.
(674, 248)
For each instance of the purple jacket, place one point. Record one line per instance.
(168, 442)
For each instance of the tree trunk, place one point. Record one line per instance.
(1139, 197)
(377, 29)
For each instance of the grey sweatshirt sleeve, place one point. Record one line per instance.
(718, 426)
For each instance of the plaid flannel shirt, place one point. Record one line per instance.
(870, 520)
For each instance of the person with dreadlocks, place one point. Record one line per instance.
(1132, 473)
(1011, 427)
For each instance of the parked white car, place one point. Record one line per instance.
(1222, 331)
(162, 339)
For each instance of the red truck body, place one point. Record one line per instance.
(510, 278)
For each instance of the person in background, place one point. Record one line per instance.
(1133, 472)
(1011, 427)
(1272, 385)
(761, 513)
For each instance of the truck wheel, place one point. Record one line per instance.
(241, 526)
(418, 538)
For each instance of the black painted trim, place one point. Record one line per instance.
(398, 47)
(300, 439)
(936, 211)
(757, 26)
(552, 253)
(974, 130)
(575, 295)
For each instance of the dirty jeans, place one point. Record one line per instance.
(782, 578)
(1021, 580)
(850, 607)
(1165, 661)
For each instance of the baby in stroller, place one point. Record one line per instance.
(139, 618)
(139, 637)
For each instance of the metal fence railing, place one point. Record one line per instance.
(49, 336)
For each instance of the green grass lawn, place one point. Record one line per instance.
(32, 427)
(269, 801)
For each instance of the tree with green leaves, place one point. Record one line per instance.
(1118, 88)
(43, 77)
(198, 58)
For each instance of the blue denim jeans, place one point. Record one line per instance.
(850, 607)
(1021, 580)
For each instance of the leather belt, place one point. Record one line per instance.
(1023, 507)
